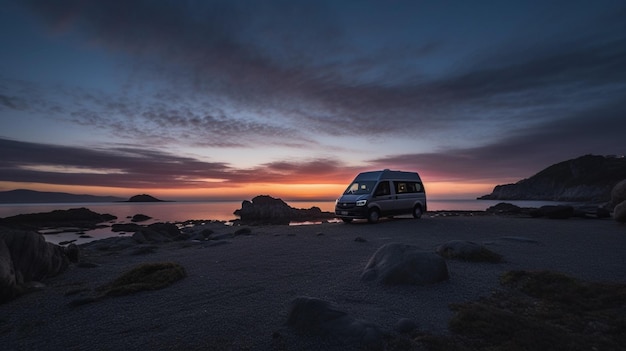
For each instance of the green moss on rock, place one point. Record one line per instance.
(147, 276)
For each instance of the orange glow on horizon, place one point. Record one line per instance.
(434, 189)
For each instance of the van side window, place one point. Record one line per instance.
(382, 189)
(401, 187)
(408, 187)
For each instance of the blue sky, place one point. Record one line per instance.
(197, 98)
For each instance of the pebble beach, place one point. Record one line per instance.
(238, 290)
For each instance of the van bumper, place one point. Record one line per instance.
(354, 212)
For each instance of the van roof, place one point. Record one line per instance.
(388, 174)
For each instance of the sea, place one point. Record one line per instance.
(208, 210)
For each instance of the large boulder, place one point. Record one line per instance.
(618, 193)
(26, 257)
(8, 285)
(318, 317)
(619, 213)
(396, 263)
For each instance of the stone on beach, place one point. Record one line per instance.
(618, 200)
(397, 263)
(619, 213)
(553, 211)
(618, 193)
(314, 316)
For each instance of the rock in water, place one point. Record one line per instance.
(264, 209)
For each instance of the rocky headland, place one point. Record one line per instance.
(264, 209)
(587, 179)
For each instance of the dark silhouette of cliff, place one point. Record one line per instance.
(588, 178)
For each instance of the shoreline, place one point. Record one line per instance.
(238, 289)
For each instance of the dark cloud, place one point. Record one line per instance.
(131, 167)
(113, 167)
(276, 56)
(9, 102)
(526, 151)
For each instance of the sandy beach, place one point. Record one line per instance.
(237, 291)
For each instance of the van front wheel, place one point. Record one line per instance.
(417, 212)
(373, 215)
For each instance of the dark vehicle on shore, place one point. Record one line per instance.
(384, 193)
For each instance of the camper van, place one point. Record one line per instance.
(386, 193)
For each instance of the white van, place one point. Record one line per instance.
(385, 193)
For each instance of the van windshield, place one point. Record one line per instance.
(360, 188)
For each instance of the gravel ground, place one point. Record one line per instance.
(236, 295)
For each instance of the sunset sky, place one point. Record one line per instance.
(231, 99)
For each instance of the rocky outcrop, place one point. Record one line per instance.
(585, 179)
(75, 217)
(25, 257)
(396, 263)
(265, 209)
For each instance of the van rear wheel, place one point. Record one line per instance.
(373, 215)
(417, 212)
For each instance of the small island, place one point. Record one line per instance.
(144, 198)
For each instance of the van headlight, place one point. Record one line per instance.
(360, 203)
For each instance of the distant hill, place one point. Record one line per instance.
(144, 198)
(31, 196)
(588, 178)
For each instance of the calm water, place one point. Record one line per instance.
(223, 211)
(182, 211)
